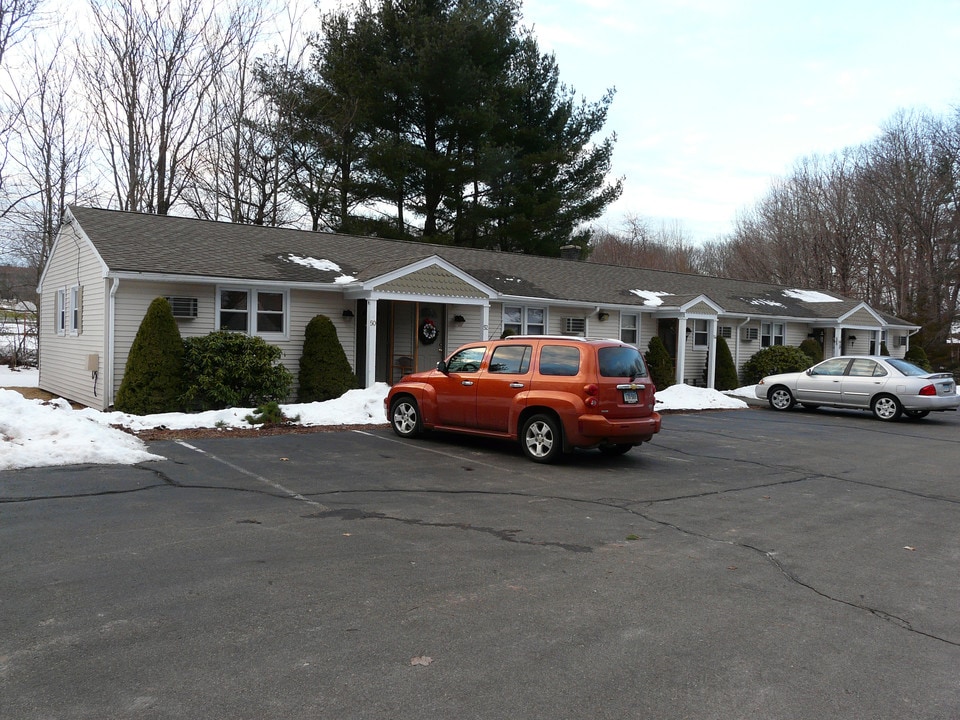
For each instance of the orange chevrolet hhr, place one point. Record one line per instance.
(553, 394)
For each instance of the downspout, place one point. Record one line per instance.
(736, 360)
(111, 333)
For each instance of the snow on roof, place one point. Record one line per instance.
(313, 263)
(811, 296)
(651, 298)
(763, 301)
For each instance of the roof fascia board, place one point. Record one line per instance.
(355, 293)
(216, 280)
(69, 219)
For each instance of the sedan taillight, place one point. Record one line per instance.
(930, 390)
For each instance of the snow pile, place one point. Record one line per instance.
(687, 397)
(37, 434)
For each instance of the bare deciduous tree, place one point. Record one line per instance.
(149, 69)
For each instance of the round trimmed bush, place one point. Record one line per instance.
(772, 360)
(228, 369)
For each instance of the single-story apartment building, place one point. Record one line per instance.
(398, 306)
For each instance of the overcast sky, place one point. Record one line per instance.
(716, 98)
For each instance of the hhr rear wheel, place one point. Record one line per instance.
(540, 439)
(405, 417)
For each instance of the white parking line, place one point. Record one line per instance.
(266, 481)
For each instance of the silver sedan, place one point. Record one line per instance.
(888, 387)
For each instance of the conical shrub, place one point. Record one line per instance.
(325, 372)
(153, 376)
(726, 378)
(661, 367)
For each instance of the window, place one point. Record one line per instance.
(771, 334)
(524, 321)
(725, 331)
(700, 335)
(466, 361)
(255, 312)
(559, 360)
(862, 367)
(76, 296)
(834, 366)
(511, 359)
(621, 362)
(629, 329)
(61, 318)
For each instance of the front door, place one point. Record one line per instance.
(667, 329)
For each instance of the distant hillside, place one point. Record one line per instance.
(18, 283)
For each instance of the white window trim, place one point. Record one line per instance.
(60, 312)
(767, 331)
(74, 320)
(251, 311)
(635, 329)
(701, 338)
(524, 312)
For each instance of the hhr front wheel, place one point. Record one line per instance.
(405, 417)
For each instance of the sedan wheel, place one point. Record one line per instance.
(541, 439)
(886, 407)
(915, 414)
(781, 398)
(405, 418)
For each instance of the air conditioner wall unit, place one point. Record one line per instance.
(725, 331)
(574, 326)
(750, 334)
(183, 307)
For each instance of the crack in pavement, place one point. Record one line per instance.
(507, 535)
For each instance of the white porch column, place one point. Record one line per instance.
(712, 353)
(485, 321)
(681, 348)
(370, 371)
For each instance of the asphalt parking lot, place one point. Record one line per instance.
(746, 564)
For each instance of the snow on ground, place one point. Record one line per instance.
(38, 434)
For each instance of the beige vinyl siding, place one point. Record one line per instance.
(134, 297)
(862, 318)
(132, 300)
(63, 358)
(471, 330)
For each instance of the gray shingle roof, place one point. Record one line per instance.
(133, 242)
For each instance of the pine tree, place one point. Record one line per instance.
(153, 376)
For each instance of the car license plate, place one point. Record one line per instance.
(630, 396)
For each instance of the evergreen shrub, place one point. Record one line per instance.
(918, 356)
(227, 369)
(811, 348)
(772, 360)
(325, 372)
(662, 371)
(153, 376)
(726, 378)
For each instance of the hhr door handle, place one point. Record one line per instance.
(466, 382)
(516, 385)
